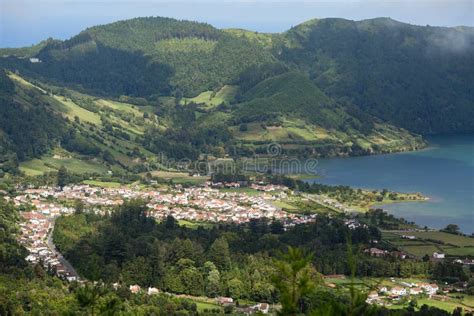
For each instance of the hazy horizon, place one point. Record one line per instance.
(27, 22)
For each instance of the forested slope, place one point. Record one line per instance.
(323, 88)
(413, 76)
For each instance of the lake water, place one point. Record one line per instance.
(444, 172)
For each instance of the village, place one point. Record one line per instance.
(207, 203)
(41, 206)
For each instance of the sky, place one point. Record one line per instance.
(26, 22)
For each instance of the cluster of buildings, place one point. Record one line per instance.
(395, 293)
(268, 187)
(203, 203)
(211, 205)
(35, 237)
(376, 252)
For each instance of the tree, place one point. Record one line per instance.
(192, 280)
(219, 254)
(236, 288)
(62, 177)
(452, 229)
(292, 280)
(170, 222)
(78, 207)
(88, 296)
(137, 271)
(213, 279)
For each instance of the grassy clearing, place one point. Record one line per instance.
(447, 306)
(212, 99)
(421, 250)
(291, 130)
(264, 39)
(179, 177)
(453, 251)
(37, 167)
(461, 241)
(432, 241)
(248, 191)
(284, 205)
(24, 82)
(125, 107)
(75, 110)
(194, 225)
(202, 306)
(102, 184)
(34, 167)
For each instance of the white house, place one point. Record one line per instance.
(383, 289)
(153, 290)
(262, 307)
(437, 255)
(416, 291)
(398, 291)
(430, 289)
(224, 300)
(135, 288)
(373, 295)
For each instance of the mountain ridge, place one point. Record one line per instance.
(353, 86)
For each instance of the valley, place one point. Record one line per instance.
(156, 166)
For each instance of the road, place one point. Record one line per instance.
(64, 261)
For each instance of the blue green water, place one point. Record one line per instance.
(444, 172)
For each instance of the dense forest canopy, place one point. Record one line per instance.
(416, 77)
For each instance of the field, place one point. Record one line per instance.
(24, 82)
(369, 284)
(47, 163)
(73, 110)
(449, 305)
(299, 204)
(284, 205)
(194, 225)
(179, 177)
(427, 242)
(102, 184)
(211, 99)
(457, 240)
(203, 306)
(291, 130)
(248, 191)
(125, 107)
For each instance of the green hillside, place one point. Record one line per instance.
(413, 76)
(44, 127)
(291, 93)
(146, 56)
(291, 110)
(128, 90)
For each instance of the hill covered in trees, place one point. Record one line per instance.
(323, 88)
(413, 76)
